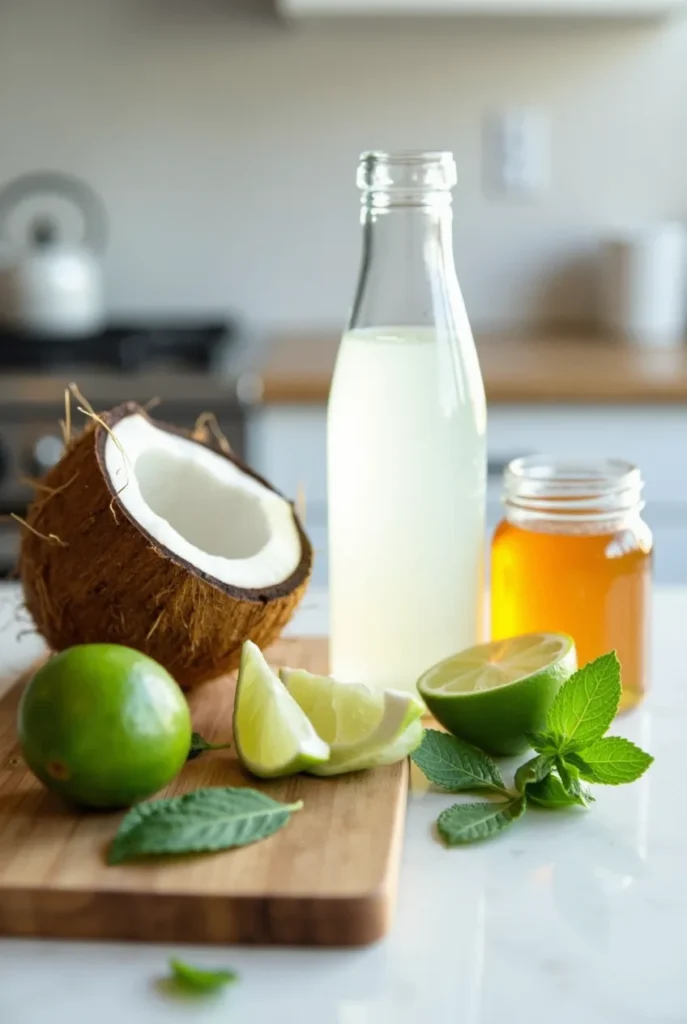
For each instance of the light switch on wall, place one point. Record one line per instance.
(516, 153)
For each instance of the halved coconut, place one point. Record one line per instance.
(144, 536)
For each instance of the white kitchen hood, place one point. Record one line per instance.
(493, 8)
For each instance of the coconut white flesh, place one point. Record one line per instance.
(201, 506)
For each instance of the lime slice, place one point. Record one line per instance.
(273, 736)
(364, 727)
(495, 695)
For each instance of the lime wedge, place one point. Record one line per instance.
(374, 755)
(495, 695)
(273, 736)
(364, 727)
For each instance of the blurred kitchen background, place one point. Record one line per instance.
(211, 148)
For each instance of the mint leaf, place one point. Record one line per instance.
(463, 823)
(535, 778)
(585, 705)
(543, 743)
(551, 793)
(570, 780)
(569, 774)
(612, 761)
(198, 979)
(200, 745)
(198, 822)
(532, 771)
(454, 765)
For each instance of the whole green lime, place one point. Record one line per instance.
(104, 725)
(496, 695)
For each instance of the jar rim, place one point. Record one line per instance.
(573, 489)
(573, 474)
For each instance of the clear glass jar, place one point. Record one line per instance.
(573, 555)
(405, 438)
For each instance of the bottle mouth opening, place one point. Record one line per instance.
(413, 173)
(574, 490)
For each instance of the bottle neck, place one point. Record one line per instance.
(408, 275)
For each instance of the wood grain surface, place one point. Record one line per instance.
(328, 878)
(575, 368)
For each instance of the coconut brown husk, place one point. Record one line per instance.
(91, 574)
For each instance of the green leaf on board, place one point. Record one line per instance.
(551, 793)
(585, 705)
(612, 761)
(200, 745)
(464, 823)
(202, 821)
(533, 771)
(456, 766)
(198, 979)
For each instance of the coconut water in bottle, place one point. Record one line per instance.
(406, 438)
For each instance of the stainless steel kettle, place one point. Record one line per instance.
(51, 286)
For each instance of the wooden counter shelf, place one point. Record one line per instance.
(572, 368)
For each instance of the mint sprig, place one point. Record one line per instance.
(571, 751)
(583, 710)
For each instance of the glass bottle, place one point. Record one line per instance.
(406, 438)
(573, 555)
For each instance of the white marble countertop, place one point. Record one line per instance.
(568, 917)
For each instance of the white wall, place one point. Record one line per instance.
(225, 145)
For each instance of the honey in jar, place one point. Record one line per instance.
(573, 555)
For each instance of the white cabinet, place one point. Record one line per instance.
(287, 444)
(494, 8)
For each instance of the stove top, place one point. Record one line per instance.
(188, 367)
(125, 347)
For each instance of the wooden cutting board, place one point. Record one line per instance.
(328, 878)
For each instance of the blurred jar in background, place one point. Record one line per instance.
(644, 285)
(573, 555)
